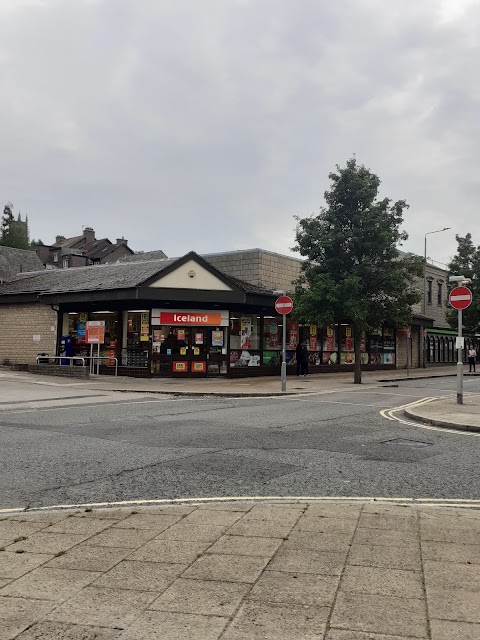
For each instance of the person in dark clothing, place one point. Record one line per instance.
(304, 360)
(298, 352)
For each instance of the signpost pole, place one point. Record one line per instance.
(284, 355)
(460, 359)
(407, 339)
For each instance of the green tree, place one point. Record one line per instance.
(466, 263)
(14, 233)
(353, 272)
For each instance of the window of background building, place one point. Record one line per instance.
(439, 294)
(55, 257)
(65, 263)
(429, 292)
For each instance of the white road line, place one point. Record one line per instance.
(447, 502)
(90, 406)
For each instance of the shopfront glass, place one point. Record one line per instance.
(135, 344)
(193, 343)
(244, 341)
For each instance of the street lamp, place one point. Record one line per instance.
(425, 288)
(429, 233)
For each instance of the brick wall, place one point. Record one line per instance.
(18, 324)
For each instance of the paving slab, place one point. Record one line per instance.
(199, 596)
(262, 571)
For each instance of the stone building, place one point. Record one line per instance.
(82, 251)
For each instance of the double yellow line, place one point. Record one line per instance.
(389, 414)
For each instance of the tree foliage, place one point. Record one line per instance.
(466, 263)
(353, 272)
(14, 233)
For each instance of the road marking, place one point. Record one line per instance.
(389, 414)
(445, 502)
(90, 406)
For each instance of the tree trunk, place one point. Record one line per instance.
(357, 336)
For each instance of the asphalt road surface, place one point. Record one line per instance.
(80, 446)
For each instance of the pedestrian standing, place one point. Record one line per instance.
(472, 356)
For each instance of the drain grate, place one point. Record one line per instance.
(402, 442)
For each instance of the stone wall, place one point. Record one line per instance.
(258, 267)
(416, 358)
(438, 277)
(19, 323)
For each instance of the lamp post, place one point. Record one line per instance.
(429, 233)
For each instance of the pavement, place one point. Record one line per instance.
(290, 570)
(447, 413)
(245, 387)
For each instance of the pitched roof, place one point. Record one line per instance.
(120, 275)
(14, 261)
(147, 255)
(97, 278)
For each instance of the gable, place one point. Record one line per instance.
(190, 275)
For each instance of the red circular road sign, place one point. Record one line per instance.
(460, 298)
(283, 305)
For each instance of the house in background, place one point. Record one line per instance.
(82, 251)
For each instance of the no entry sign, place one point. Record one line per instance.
(461, 298)
(283, 305)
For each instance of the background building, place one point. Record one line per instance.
(82, 251)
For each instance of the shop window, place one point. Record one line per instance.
(273, 332)
(135, 339)
(244, 341)
(330, 345)
(347, 355)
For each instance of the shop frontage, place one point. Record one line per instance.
(185, 318)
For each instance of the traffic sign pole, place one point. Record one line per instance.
(460, 359)
(283, 372)
(284, 306)
(460, 299)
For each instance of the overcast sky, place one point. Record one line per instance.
(207, 125)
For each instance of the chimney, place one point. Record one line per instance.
(89, 234)
(122, 240)
(59, 239)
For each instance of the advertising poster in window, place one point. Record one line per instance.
(272, 337)
(363, 344)
(329, 342)
(144, 327)
(347, 340)
(217, 338)
(293, 341)
(246, 332)
(199, 338)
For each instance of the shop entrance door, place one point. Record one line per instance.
(189, 351)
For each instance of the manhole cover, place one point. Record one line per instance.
(402, 442)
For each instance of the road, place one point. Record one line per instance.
(67, 444)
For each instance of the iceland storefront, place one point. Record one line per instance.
(185, 318)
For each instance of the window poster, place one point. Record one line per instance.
(329, 342)
(363, 344)
(293, 341)
(196, 351)
(183, 351)
(180, 334)
(199, 338)
(246, 332)
(217, 338)
(313, 343)
(272, 338)
(144, 327)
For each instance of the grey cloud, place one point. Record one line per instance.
(209, 125)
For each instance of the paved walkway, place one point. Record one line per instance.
(447, 413)
(266, 385)
(241, 571)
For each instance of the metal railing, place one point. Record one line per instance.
(48, 358)
(82, 359)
